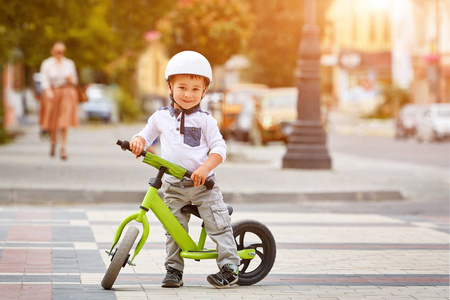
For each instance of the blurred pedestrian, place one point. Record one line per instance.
(59, 102)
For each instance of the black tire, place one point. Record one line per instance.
(253, 234)
(120, 257)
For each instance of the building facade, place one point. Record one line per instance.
(357, 52)
(430, 51)
(372, 45)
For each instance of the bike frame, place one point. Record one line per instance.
(152, 201)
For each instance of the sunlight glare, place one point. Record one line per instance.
(379, 4)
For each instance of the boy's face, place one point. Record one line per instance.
(187, 90)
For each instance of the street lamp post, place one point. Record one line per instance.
(306, 148)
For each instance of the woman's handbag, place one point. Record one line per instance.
(82, 97)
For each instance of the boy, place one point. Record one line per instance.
(187, 135)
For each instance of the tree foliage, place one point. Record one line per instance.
(28, 28)
(96, 32)
(273, 46)
(99, 34)
(216, 28)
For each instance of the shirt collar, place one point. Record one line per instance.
(174, 111)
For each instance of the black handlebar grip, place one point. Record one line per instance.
(209, 184)
(125, 145)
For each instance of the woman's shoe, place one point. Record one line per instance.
(63, 154)
(52, 151)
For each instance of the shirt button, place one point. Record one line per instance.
(178, 120)
(178, 129)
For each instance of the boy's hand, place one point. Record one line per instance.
(199, 176)
(137, 145)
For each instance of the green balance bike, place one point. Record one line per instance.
(254, 241)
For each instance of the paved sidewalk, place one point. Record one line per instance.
(98, 171)
(57, 250)
(59, 253)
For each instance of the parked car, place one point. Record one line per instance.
(406, 121)
(434, 123)
(275, 115)
(99, 105)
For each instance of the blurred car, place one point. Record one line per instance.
(406, 121)
(100, 105)
(434, 123)
(242, 126)
(212, 103)
(37, 80)
(238, 108)
(275, 116)
(245, 96)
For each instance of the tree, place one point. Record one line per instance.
(96, 32)
(28, 28)
(131, 19)
(216, 28)
(273, 46)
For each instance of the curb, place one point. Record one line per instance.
(61, 196)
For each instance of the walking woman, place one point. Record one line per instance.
(59, 102)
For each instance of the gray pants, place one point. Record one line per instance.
(215, 216)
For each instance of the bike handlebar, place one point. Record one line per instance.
(158, 162)
(125, 145)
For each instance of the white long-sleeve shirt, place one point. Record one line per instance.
(189, 150)
(53, 74)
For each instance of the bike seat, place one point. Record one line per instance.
(192, 209)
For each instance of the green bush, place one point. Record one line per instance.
(394, 99)
(128, 110)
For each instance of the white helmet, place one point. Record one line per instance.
(189, 62)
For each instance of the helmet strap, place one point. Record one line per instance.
(183, 111)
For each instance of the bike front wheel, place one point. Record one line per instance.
(251, 234)
(120, 257)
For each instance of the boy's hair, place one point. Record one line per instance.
(191, 76)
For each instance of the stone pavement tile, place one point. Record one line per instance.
(25, 291)
(96, 289)
(38, 278)
(36, 291)
(11, 291)
(125, 292)
(319, 256)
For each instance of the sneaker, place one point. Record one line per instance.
(227, 276)
(174, 278)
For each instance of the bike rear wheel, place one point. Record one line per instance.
(120, 257)
(251, 234)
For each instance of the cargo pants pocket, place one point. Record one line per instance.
(221, 217)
